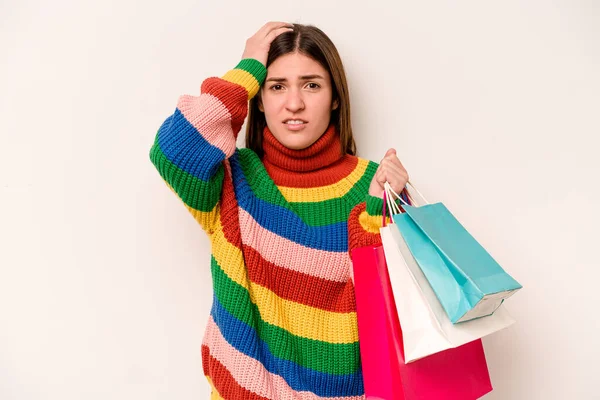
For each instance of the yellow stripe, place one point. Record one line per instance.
(229, 257)
(206, 219)
(371, 223)
(298, 319)
(323, 193)
(243, 78)
(214, 393)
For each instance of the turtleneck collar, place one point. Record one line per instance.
(320, 164)
(325, 151)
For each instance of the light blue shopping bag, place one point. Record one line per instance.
(468, 282)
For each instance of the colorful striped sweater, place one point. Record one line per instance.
(283, 321)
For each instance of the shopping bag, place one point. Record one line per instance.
(426, 329)
(381, 374)
(466, 279)
(456, 374)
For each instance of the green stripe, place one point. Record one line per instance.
(254, 67)
(258, 178)
(335, 210)
(312, 213)
(323, 213)
(375, 206)
(332, 358)
(194, 192)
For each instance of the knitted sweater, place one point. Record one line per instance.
(283, 321)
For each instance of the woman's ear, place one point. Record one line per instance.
(260, 104)
(335, 104)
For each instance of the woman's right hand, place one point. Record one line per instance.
(258, 46)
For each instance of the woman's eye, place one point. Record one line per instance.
(276, 87)
(313, 85)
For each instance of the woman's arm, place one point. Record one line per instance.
(191, 145)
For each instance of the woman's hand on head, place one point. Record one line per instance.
(258, 45)
(390, 170)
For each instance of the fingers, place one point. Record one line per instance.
(380, 176)
(393, 163)
(276, 32)
(259, 44)
(396, 178)
(274, 25)
(390, 155)
(391, 170)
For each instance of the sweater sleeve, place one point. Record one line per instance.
(366, 218)
(364, 223)
(193, 143)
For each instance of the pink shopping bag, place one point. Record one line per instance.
(456, 374)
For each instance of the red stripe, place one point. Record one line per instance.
(229, 213)
(334, 174)
(223, 381)
(232, 95)
(298, 287)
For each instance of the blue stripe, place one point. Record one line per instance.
(245, 340)
(284, 222)
(185, 147)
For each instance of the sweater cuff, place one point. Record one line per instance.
(363, 230)
(374, 205)
(249, 73)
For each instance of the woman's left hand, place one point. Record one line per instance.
(390, 170)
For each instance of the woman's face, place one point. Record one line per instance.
(297, 100)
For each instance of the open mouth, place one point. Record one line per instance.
(295, 124)
(291, 122)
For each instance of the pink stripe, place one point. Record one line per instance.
(251, 374)
(330, 265)
(211, 118)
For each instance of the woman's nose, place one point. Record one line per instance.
(294, 101)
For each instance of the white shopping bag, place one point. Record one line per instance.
(426, 328)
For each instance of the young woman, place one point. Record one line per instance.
(282, 215)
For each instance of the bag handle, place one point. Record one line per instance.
(392, 195)
(409, 183)
(384, 209)
(388, 200)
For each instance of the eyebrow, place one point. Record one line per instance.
(302, 78)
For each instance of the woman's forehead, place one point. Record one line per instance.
(296, 66)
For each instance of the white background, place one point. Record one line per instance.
(105, 286)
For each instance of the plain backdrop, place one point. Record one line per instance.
(493, 107)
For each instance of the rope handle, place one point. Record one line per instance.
(390, 196)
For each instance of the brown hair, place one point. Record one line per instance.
(314, 43)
